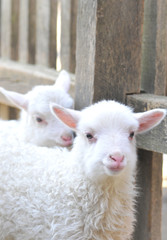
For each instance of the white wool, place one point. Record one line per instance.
(35, 105)
(54, 194)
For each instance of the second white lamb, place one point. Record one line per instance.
(37, 125)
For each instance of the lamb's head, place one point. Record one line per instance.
(105, 142)
(38, 124)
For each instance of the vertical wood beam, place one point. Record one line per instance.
(74, 6)
(15, 29)
(0, 25)
(53, 34)
(6, 29)
(42, 32)
(23, 31)
(108, 50)
(154, 80)
(65, 34)
(154, 67)
(4, 112)
(32, 31)
(149, 201)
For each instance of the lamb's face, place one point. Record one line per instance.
(106, 131)
(39, 126)
(45, 128)
(108, 139)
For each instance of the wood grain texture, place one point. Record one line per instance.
(73, 26)
(149, 215)
(42, 32)
(4, 112)
(109, 35)
(65, 7)
(156, 139)
(154, 80)
(154, 68)
(53, 34)
(6, 29)
(13, 113)
(32, 31)
(15, 12)
(0, 25)
(149, 198)
(85, 53)
(23, 31)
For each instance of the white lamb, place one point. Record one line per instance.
(37, 124)
(86, 194)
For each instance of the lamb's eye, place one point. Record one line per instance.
(131, 135)
(89, 136)
(39, 120)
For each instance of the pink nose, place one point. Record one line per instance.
(117, 158)
(66, 138)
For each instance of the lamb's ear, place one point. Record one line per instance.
(68, 116)
(63, 81)
(150, 119)
(18, 99)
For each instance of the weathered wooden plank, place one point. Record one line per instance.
(0, 26)
(6, 29)
(32, 31)
(156, 139)
(53, 34)
(161, 49)
(8, 113)
(73, 26)
(22, 77)
(149, 199)
(23, 31)
(154, 78)
(42, 32)
(15, 7)
(85, 53)
(4, 112)
(13, 113)
(65, 7)
(108, 50)
(150, 174)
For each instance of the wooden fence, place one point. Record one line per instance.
(121, 54)
(35, 32)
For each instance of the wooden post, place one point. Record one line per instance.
(0, 25)
(154, 77)
(6, 8)
(42, 32)
(68, 34)
(6, 29)
(108, 50)
(15, 29)
(65, 7)
(32, 31)
(53, 34)
(150, 199)
(74, 4)
(153, 81)
(23, 31)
